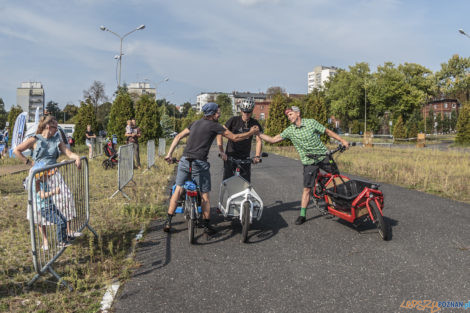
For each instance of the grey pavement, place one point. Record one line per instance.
(324, 265)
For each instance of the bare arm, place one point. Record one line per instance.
(239, 137)
(334, 135)
(63, 148)
(259, 145)
(270, 139)
(175, 142)
(27, 144)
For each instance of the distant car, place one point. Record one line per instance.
(173, 135)
(71, 141)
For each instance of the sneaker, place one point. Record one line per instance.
(73, 235)
(300, 220)
(63, 244)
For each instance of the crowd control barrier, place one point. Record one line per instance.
(161, 147)
(125, 168)
(58, 210)
(150, 154)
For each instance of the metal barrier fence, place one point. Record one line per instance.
(58, 210)
(125, 168)
(161, 146)
(97, 146)
(376, 139)
(150, 154)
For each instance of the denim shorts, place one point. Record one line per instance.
(200, 173)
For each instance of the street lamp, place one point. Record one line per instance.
(156, 84)
(119, 57)
(463, 33)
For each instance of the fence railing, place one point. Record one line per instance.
(125, 168)
(150, 154)
(161, 146)
(97, 146)
(58, 211)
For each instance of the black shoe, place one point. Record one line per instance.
(167, 226)
(209, 230)
(300, 220)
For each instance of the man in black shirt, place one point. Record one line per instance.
(240, 150)
(201, 135)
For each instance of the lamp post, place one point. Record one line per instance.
(156, 84)
(464, 33)
(365, 108)
(120, 49)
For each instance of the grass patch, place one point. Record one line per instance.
(89, 264)
(443, 173)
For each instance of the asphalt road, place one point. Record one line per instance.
(324, 265)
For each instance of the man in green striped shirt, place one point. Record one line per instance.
(305, 135)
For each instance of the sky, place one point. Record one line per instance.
(216, 45)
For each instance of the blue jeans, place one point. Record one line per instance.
(201, 174)
(52, 215)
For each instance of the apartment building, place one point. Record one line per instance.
(141, 88)
(29, 96)
(316, 79)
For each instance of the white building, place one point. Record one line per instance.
(237, 97)
(30, 96)
(320, 74)
(141, 88)
(205, 97)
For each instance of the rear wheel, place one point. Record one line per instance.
(191, 207)
(105, 164)
(382, 226)
(245, 220)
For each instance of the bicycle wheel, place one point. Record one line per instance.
(379, 220)
(245, 220)
(191, 220)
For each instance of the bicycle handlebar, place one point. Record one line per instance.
(340, 148)
(245, 161)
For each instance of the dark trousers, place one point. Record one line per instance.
(52, 215)
(229, 169)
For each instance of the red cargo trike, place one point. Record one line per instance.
(355, 201)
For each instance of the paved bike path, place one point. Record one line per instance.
(324, 265)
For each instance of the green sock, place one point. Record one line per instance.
(303, 212)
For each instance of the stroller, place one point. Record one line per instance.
(110, 152)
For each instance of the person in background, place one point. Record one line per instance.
(133, 137)
(90, 137)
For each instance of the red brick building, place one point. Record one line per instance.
(441, 106)
(261, 110)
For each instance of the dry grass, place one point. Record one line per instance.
(444, 173)
(89, 264)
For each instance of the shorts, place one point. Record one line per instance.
(88, 142)
(200, 173)
(311, 171)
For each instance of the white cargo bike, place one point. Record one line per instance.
(238, 198)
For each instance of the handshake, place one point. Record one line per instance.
(254, 130)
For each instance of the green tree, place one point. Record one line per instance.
(277, 120)
(147, 117)
(463, 125)
(346, 94)
(225, 105)
(190, 117)
(453, 119)
(186, 108)
(53, 109)
(121, 110)
(430, 121)
(12, 115)
(274, 90)
(399, 130)
(96, 94)
(70, 110)
(439, 122)
(412, 125)
(314, 106)
(102, 115)
(86, 116)
(166, 124)
(3, 115)
(454, 78)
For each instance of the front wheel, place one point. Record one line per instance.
(245, 220)
(191, 207)
(382, 226)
